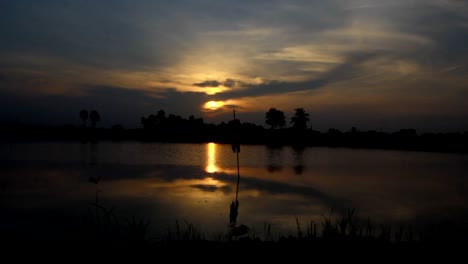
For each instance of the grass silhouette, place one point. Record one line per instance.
(332, 228)
(331, 236)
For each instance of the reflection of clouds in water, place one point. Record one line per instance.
(278, 188)
(172, 175)
(212, 188)
(210, 184)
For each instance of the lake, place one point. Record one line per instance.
(46, 185)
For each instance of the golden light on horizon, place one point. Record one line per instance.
(214, 90)
(213, 105)
(211, 158)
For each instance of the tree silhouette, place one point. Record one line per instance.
(84, 116)
(94, 117)
(153, 121)
(300, 119)
(149, 122)
(160, 117)
(275, 118)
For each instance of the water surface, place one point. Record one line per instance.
(46, 185)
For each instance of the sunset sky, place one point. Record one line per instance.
(378, 64)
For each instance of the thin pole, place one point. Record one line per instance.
(237, 154)
(238, 175)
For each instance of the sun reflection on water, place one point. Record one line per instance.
(211, 158)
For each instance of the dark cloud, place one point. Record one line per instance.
(120, 105)
(229, 83)
(232, 106)
(343, 71)
(443, 22)
(101, 34)
(116, 105)
(124, 35)
(182, 103)
(212, 83)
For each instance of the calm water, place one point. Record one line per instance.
(44, 185)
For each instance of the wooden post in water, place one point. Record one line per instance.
(236, 148)
(237, 153)
(234, 208)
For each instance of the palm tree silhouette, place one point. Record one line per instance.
(84, 116)
(300, 119)
(275, 118)
(94, 117)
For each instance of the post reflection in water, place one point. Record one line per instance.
(211, 158)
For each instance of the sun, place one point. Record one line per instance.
(213, 105)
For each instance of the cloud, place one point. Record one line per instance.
(115, 104)
(229, 83)
(66, 51)
(344, 71)
(212, 83)
(117, 35)
(232, 106)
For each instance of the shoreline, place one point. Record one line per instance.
(456, 143)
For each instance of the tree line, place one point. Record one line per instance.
(174, 128)
(273, 117)
(160, 127)
(164, 127)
